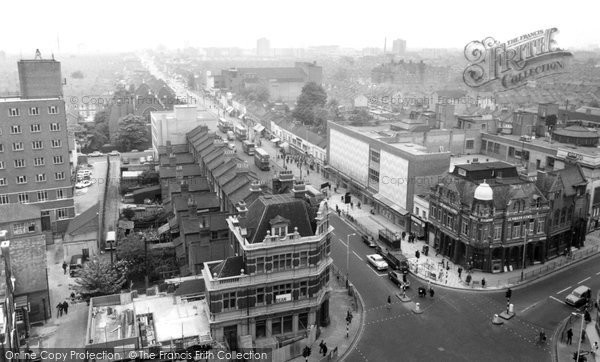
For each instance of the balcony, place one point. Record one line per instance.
(261, 310)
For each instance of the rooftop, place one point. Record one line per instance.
(18, 212)
(546, 143)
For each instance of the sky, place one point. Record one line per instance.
(116, 26)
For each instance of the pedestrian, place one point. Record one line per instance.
(59, 308)
(447, 267)
(431, 292)
(342, 198)
(389, 303)
(417, 254)
(583, 336)
(570, 336)
(596, 347)
(359, 204)
(352, 205)
(64, 266)
(459, 272)
(483, 282)
(321, 346)
(66, 307)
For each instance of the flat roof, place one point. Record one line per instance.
(19, 99)
(546, 143)
(466, 159)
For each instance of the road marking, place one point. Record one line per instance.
(584, 280)
(342, 241)
(358, 256)
(598, 273)
(375, 271)
(558, 300)
(564, 290)
(531, 306)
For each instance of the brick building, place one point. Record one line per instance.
(277, 284)
(34, 145)
(483, 215)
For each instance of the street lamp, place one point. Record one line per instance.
(580, 334)
(348, 256)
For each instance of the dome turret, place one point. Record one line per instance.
(484, 192)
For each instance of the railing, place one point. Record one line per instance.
(531, 273)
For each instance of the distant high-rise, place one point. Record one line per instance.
(399, 46)
(263, 47)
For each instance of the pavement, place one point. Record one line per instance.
(564, 351)
(334, 334)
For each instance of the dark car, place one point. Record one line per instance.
(397, 277)
(368, 239)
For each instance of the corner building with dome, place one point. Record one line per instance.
(482, 215)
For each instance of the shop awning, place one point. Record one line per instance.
(259, 128)
(388, 203)
(163, 229)
(417, 220)
(275, 140)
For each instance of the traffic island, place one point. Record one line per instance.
(418, 309)
(496, 320)
(508, 313)
(403, 297)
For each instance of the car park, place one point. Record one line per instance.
(369, 240)
(397, 278)
(579, 296)
(377, 261)
(83, 184)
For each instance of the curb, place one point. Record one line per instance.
(361, 328)
(554, 348)
(513, 286)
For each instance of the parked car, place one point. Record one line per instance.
(96, 154)
(377, 261)
(579, 296)
(396, 278)
(114, 153)
(368, 239)
(83, 184)
(84, 172)
(231, 146)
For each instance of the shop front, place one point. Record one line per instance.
(419, 227)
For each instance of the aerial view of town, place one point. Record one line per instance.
(307, 182)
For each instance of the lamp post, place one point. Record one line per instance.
(348, 256)
(524, 251)
(580, 334)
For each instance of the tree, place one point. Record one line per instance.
(312, 99)
(132, 134)
(341, 74)
(360, 117)
(100, 278)
(259, 93)
(132, 252)
(128, 214)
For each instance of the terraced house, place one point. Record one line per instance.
(276, 285)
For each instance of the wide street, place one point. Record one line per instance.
(456, 324)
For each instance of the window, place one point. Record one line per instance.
(303, 291)
(62, 214)
(563, 215)
(1, 165)
(22, 179)
(260, 265)
(35, 128)
(38, 161)
(34, 111)
(288, 261)
(229, 300)
(302, 321)
(23, 198)
(52, 110)
(470, 144)
(288, 325)
(260, 295)
(276, 326)
(42, 195)
(433, 213)
(424, 214)
(13, 112)
(54, 127)
(516, 230)
(511, 152)
(37, 145)
(497, 232)
(303, 258)
(417, 211)
(465, 227)
(40, 177)
(59, 175)
(375, 157)
(1, 147)
(496, 148)
(60, 194)
(540, 226)
(4, 199)
(19, 163)
(282, 289)
(373, 175)
(531, 227)
(59, 159)
(2, 181)
(261, 328)
(56, 143)
(23, 228)
(17, 146)
(483, 146)
(15, 129)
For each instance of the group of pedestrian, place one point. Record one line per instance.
(411, 237)
(323, 347)
(61, 308)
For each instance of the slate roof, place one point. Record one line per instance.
(204, 201)
(18, 212)
(566, 179)
(268, 207)
(304, 133)
(229, 267)
(180, 159)
(191, 287)
(85, 222)
(215, 222)
(188, 170)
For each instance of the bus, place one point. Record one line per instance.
(248, 147)
(241, 132)
(261, 159)
(224, 125)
